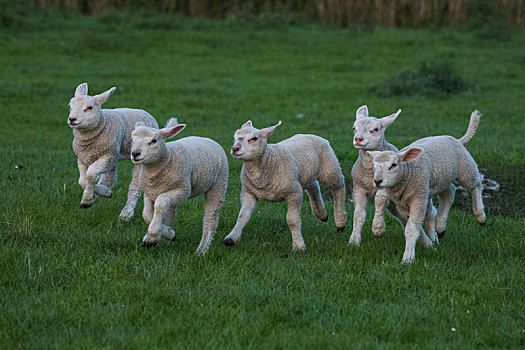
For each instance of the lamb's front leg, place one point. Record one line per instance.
(147, 212)
(248, 203)
(93, 173)
(82, 169)
(293, 219)
(413, 229)
(134, 193)
(360, 202)
(165, 204)
(378, 224)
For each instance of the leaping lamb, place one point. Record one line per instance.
(102, 137)
(174, 171)
(369, 135)
(425, 168)
(280, 172)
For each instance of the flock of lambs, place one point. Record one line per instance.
(169, 173)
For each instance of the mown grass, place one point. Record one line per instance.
(75, 278)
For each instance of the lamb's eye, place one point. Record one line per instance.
(152, 142)
(392, 166)
(253, 139)
(88, 108)
(376, 129)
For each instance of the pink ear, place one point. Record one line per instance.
(269, 130)
(248, 124)
(386, 121)
(165, 133)
(410, 154)
(362, 112)
(81, 90)
(103, 97)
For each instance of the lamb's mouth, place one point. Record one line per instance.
(237, 155)
(74, 125)
(359, 145)
(137, 160)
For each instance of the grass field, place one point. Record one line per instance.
(74, 278)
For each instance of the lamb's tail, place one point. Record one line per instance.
(472, 127)
(171, 123)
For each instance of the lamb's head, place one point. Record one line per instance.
(84, 110)
(388, 165)
(149, 144)
(249, 142)
(369, 132)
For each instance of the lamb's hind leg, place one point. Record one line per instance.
(340, 215)
(477, 205)
(316, 201)
(332, 176)
(213, 200)
(134, 193)
(446, 198)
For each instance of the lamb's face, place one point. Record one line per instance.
(387, 169)
(368, 134)
(146, 145)
(248, 144)
(84, 113)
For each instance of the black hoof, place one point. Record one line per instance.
(148, 244)
(325, 219)
(441, 234)
(229, 242)
(174, 238)
(340, 229)
(85, 206)
(483, 224)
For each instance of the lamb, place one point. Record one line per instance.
(174, 171)
(280, 172)
(425, 168)
(102, 137)
(369, 135)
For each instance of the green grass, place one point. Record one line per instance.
(75, 278)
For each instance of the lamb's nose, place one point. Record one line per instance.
(359, 139)
(135, 154)
(72, 120)
(378, 182)
(235, 149)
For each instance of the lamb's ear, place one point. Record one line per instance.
(373, 153)
(248, 124)
(81, 90)
(409, 154)
(386, 121)
(169, 132)
(137, 124)
(268, 131)
(100, 99)
(362, 112)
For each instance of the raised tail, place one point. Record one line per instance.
(472, 127)
(171, 123)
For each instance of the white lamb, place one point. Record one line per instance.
(102, 137)
(425, 168)
(280, 172)
(369, 135)
(174, 171)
